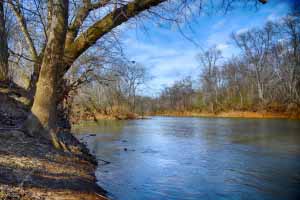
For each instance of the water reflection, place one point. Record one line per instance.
(197, 158)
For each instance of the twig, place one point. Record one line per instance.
(106, 162)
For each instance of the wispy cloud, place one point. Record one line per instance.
(242, 30)
(170, 56)
(165, 63)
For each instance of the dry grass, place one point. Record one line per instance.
(234, 114)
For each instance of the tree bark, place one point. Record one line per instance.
(3, 47)
(42, 119)
(34, 79)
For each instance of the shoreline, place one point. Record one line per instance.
(233, 114)
(32, 169)
(228, 114)
(112, 118)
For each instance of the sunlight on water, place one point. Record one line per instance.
(196, 158)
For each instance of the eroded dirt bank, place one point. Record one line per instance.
(32, 169)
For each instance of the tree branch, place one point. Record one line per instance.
(81, 15)
(105, 25)
(22, 23)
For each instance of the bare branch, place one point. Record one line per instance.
(105, 25)
(15, 6)
(81, 15)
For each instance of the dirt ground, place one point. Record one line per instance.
(32, 169)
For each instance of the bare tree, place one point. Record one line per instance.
(44, 109)
(178, 97)
(291, 28)
(133, 76)
(210, 79)
(3, 46)
(256, 45)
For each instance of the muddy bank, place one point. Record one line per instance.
(234, 114)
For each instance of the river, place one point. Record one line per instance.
(172, 158)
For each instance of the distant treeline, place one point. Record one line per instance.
(264, 77)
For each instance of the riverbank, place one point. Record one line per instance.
(98, 116)
(32, 169)
(233, 114)
(227, 114)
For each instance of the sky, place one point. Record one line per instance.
(170, 56)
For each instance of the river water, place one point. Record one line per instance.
(170, 158)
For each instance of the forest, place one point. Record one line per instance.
(264, 77)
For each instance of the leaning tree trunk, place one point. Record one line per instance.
(42, 119)
(3, 47)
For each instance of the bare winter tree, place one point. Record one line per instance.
(133, 76)
(3, 46)
(44, 109)
(178, 97)
(256, 45)
(291, 29)
(210, 79)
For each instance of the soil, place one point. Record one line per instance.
(32, 169)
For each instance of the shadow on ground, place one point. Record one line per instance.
(30, 168)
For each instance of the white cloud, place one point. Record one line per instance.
(273, 17)
(242, 30)
(165, 63)
(222, 46)
(220, 24)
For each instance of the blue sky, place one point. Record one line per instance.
(169, 56)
